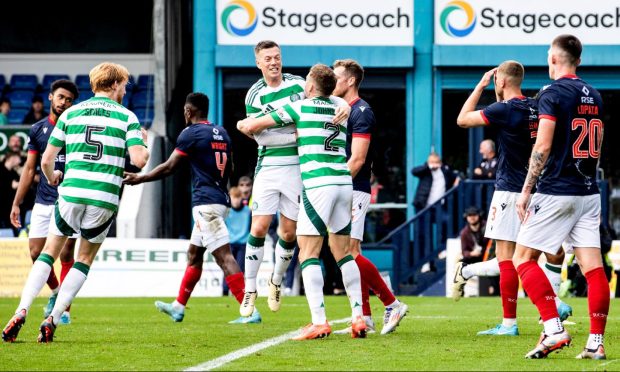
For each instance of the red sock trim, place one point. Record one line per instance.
(191, 277)
(52, 280)
(509, 288)
(370, 274)
(236, 284)
(365, 297)
(538, 288)
(598, 299)
(65, 267)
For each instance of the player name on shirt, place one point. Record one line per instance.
(321, 143)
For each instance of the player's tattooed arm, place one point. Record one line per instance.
(537, 163)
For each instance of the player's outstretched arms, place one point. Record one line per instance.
(251, 126)
(161, 171)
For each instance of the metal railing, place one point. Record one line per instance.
(418, 241)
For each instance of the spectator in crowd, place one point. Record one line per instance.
(245, 186)
(37, 111)
(5, 108)
(488, 166)
(435, 179)
(16, 146)
(9, 180)
(375, 187)
(473, 242)
(238, 224)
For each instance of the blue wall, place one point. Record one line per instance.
(431, 68)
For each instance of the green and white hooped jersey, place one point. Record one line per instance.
(96, 133)
(320, 142)
(263, 99)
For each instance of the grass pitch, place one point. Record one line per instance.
(438, 334)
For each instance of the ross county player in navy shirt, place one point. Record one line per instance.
(567, 204)
(516, 118)
(61, 97)
(360, 126)
(208, 149)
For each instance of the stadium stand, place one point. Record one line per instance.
(146, 82)
(49, 79)
(82, 82)
(21, 99)
(24, 82)
(84, 95)
(143, 98)
(22, 87)
(16, 115)
(145, 115)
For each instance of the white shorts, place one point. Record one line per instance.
(277, 188)
(40, 220)
(326, 208)
(553, 219)
(89, 221)
(209, 231)
(503, 221)
(361, 200)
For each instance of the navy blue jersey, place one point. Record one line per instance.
(37, 143)
(517, 121)
(577, 110)
(361, 123)
(208, 149)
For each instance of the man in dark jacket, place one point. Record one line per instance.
(435, 179)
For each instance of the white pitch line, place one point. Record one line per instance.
(225, 359)
(606, 363)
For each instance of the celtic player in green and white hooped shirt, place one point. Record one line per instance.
(277, 182)
(327, 194)
(97, 134)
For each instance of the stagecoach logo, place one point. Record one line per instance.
(234, 7)
(455, 7)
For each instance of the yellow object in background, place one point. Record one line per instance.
(15, 264)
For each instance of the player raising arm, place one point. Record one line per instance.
(208, 149)
(516, 118)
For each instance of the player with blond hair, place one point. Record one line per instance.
(97, 134)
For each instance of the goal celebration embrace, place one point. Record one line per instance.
(243, 185)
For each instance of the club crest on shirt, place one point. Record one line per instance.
(295, 97)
